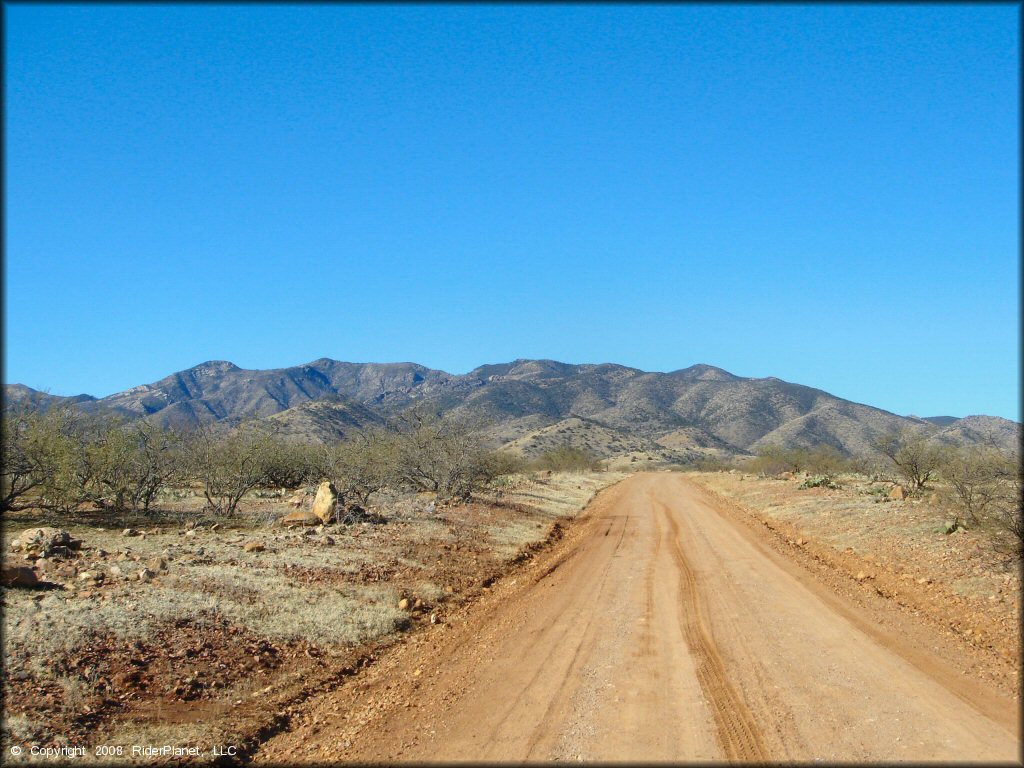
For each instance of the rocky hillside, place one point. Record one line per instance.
(534, 404)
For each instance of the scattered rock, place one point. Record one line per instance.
(127, 678)
(787, 476)
(46, 541)
(146, 575)
(434, 619)
(115, 571)
(191, 532)
(326, 502)
(800, 542)
(861, 576)
(131, 532)
(254, 546)
(19, 576)
(157, 564)
(403, 604)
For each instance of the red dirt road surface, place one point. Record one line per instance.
(658, 629)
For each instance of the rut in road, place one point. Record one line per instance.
(738, 734)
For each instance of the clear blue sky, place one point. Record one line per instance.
(827, 194)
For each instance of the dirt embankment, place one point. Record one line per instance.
(662, 627)
(892, 557)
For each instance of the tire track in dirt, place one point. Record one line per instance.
(570, 680)
(553, 647)
(738, 733)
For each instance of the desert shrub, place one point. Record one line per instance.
(566, 458)
(773, 460)
(503, 464)
(28, 442)
(915, 459)
(124, 465)
(710, 464)
(825, 460)
(818, 460)
(986, 489)
(62, 457)
(868, 465)
(819, 481)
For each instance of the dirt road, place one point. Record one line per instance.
(659, 629)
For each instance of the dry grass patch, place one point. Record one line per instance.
(38, 632)
(272, 606)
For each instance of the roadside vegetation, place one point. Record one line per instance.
(977, 486)
(63, 460)
(160, 577)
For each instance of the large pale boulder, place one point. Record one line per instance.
(326, 502)
(898, 493)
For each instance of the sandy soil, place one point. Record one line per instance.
(661, 628)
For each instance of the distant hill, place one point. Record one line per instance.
(532, 405)
(941, 421)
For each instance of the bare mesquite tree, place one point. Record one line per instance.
(986, 485)
(916, 459)
(43, 461)
(123, 466)
(291, 464)
(361, 465)
(447, 455)
(228, 464)
(20, 471)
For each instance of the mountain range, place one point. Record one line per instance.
(532, 405)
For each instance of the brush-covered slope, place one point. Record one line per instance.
(530, 404)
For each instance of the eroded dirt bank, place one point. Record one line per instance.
(659, 629)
